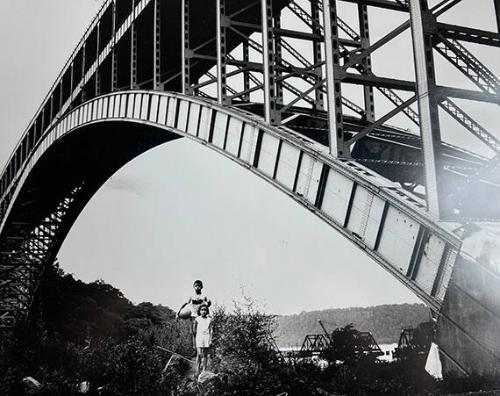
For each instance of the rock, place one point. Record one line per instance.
(31, 385)
(84, 387)
(206, 376)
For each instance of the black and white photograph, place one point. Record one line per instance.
(249, 197)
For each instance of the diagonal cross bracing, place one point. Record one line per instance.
(468, 64)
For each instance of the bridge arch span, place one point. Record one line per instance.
(388, 223)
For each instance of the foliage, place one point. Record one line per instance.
(245, 358)
(91, 332)
(384, 322)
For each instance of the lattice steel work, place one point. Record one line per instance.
(294, 65)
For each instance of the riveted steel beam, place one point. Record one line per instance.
(357, 57)
(384, 4)
(186, 52)
(317, 56)
(278, 58)
(246, 72)
(497, 13)
(467, 64)
(133, 49)
(470, 35)
(82, 71)
(156, 44)
(271, 113)
(427, 104)
(336, 139)
(97, 87)
(221, 43)
(364, 32)
(114, 58)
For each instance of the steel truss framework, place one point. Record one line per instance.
(292, 63)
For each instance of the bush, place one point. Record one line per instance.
(246, 359)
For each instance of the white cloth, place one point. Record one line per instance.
(433, 363)
(203, 332)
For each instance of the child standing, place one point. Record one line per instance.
(189, 310)
(203, 337)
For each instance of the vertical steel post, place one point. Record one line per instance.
(318, 72)
(51, 111)
(156, 44)
(497, 13)
(114, 62)
(277, 59)
(185, 49)
(271, 114)
(82, 83)
(133, 50)
(97, 72)
(246, 73)
(61, 92)
(335, 123)
(71, 86)
(42, 123)
(427, 103)
(221, 24)
(364, 33)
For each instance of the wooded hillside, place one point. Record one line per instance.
(385, 322)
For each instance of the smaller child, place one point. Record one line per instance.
(202, 329)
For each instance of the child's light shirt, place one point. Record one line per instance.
(203, 331)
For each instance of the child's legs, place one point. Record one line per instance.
(204, 358)
(199, 359)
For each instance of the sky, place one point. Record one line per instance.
(181, 212)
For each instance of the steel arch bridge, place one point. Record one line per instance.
(230, 75)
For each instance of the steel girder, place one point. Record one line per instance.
(356, 202)
(245, 54)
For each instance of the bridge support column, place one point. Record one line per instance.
(97, 71)
(469, 321)
(186, 52)
(246, 73)
(278, 61)
(271, 112)
(336, 138)
(114, 61)
(61, 93)
(51, 112)
(497, 12)
(221, 27)
(364, 33)
(156, 44)
(421, 22)
(317, 58)
(133, 51)
(82, 82)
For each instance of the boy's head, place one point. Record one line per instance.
(202, 309)
(198, 284)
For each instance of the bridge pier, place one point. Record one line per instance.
(468, 327)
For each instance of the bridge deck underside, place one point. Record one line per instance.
(375, 197)
(352, 199)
